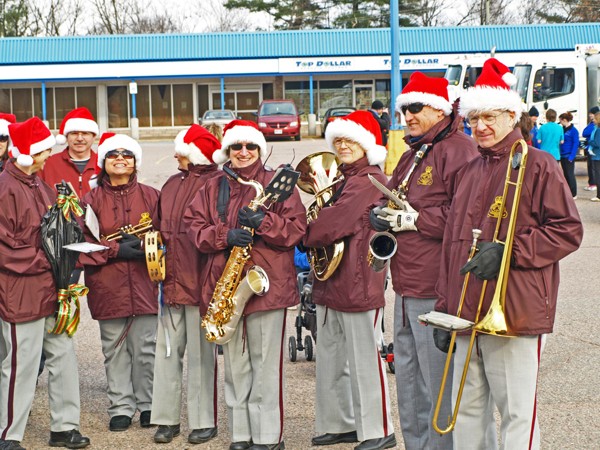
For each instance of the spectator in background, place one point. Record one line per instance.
(526, 126)
(382, 117)
(533, 115)
(594, 151)
(5, 120)
(550, 135)
(568, 150)
(586, 133)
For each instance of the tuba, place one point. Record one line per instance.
(318, 176)
(232, 292)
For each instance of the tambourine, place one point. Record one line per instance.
(155, 256)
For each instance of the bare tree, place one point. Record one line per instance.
(487, 12)
(55, 17)
(131, 17)
(212, 16)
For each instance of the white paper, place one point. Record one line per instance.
(91, 222)
(85, 247)
(445, 321)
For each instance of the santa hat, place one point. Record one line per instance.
(429, 91)
(5, 120)
(238, 131)
(197, 144)
(112, 141)
(79, 119)
(361, 127)
(492, 91)
(29, 138)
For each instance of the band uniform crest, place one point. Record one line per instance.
(426, 178)
(495, 209)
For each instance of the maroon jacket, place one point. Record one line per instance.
(415, 266)
(60, 167)
(354, 286)
(548, 229)
(282, 228)
(183, 262)
(27, 288)
(118, 288)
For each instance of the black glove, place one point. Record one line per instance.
(441, 339)
(249, 218)
(486, 262)
(377, 223)
(130, 247)
(239, 238)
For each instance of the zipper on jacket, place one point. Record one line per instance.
(80, 185)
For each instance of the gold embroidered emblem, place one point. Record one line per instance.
(426, 178)
(495, 209)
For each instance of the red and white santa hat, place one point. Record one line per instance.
(29, 138)
(238, 131)
(427, 90)
(360, 127)
(492, 91)
(79, 119)
(112, 141)
(197, 144)
(5, 120)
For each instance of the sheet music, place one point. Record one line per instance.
(91, 222)
(85, 247)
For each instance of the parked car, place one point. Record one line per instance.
(219, 116)
(334, 113)
(278, 118)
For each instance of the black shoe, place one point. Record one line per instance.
(166, 433)
(119, 423)
(241, 445)
(10, 445)
(201, 435)
(278, 446)
(69, 439)
(145, 419)
(335, 438)
(377, 444)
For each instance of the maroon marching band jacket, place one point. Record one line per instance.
(27, 288)
(60, 167)
(119, 288)
(183, 262)
(548, 228)
(354, 286)
(282, 228)
(415, 266)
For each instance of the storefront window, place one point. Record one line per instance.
(299, 91)
(183, 109)
(160, 99)
(86, 96)
(65, 102)
(22, 104)
(142, 105)
(334, 93)
(383, 93)
(5, 100)
(118, 110)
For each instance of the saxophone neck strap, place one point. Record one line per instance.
(223, 199)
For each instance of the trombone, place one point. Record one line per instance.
(494, 322)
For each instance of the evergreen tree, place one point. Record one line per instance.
(13, 18)
(287, 14)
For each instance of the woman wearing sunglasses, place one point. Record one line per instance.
(5, 120)
(122, 297)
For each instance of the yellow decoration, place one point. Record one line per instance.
(495, 209)
(426, 178)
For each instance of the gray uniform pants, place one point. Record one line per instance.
(419, 367)
(254, 381)
(352, 389)
(129, 364)
(20, 353)
(183, 325)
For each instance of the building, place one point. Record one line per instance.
(167, 81)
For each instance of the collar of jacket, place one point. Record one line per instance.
(250, 172)
(201, 168)
(503, 147)
(90, 164)
(352, 169)
(122, 187)
(29, 180)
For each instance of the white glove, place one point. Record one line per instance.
(400, 220)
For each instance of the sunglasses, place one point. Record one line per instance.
(126, 154)
(413, 108)
(249, 146)
(3, 138)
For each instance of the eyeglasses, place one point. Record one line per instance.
(3, 138)
(486, 118)
(413, 108)
(249, 146)
(125, 154)
(338, 142)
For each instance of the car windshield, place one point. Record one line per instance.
(341, 112)
(218, 115)
(272, 109)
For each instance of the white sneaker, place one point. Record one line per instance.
(595, 199)
(590, 188)
(575, 198)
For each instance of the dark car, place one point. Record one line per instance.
(278, 118)
(334, 113)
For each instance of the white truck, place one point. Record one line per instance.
(563, 81)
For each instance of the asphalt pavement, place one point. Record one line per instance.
(568, 394)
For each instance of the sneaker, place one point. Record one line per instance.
(595, 199)
(69, 439)
(10, 445)
(591, 187)
(166, 433)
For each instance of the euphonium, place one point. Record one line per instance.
(318, 176)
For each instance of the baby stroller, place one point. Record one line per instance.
(306, 318)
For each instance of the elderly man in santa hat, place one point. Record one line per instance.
(217, 220)
(180, 330)
(28, 299)
(77, 162)
(503, 371)
(425, 176)
(352, 398)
